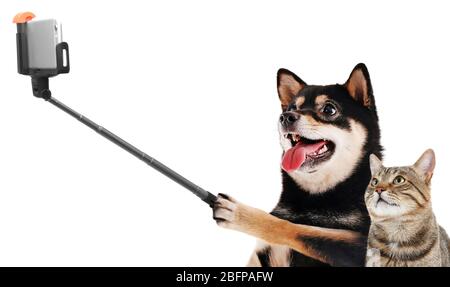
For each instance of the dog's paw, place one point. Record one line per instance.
(225, 211)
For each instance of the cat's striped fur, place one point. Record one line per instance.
(404, 231)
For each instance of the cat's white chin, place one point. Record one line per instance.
(384, 209)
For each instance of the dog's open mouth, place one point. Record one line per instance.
(306, 151)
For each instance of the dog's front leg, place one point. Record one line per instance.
(332, 246)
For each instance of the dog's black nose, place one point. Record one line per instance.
(288, 118)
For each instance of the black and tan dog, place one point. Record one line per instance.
(327, 134)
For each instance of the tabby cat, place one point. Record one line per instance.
(404, 231)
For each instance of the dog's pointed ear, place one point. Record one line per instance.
(375, 164)
(359, 86)
(289, 85)
(425, 165)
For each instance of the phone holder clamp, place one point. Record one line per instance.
(39, 76)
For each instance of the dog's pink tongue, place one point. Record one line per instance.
(295, 156)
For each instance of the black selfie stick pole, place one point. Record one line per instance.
(204, 195)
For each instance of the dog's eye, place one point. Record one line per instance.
(399, 180)
(374, 182)
(329, 109)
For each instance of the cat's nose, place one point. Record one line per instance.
(380, 190)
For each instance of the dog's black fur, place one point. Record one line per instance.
(323, 209)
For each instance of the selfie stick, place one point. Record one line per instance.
(39, 79)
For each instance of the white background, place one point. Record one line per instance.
(192, 83)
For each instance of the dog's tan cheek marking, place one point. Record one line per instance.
(308, 120)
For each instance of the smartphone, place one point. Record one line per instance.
(41, 51)
(43, 36)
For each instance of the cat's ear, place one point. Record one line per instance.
(359, 86)
(289, 85)
(425, 165)
(375, 164)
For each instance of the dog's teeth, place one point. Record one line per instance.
(323, 149)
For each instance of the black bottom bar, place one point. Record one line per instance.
(227, 277)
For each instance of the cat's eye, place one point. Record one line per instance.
(329, 109)
(374, 182)
(399, 180)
